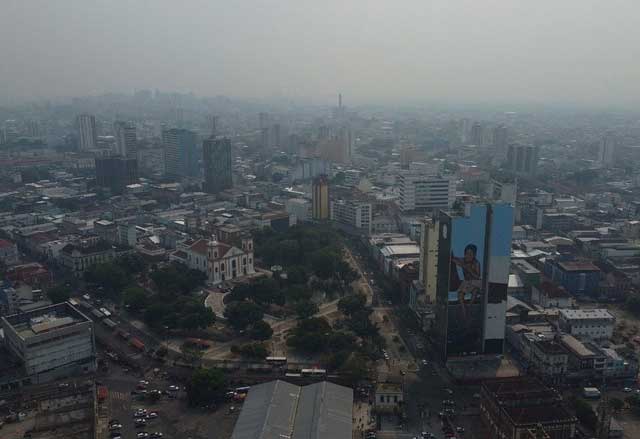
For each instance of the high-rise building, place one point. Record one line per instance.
(151, 161)
(320, 198)
(263, 120)
(606, 150)
(477, 134)
(32, 128)
(335, 143)
(274, 138)
(180, 153)
(473, 259)
(116, 173)
(522, 159)
(429, 240)
(126, 139)
(87, 132)
(500, 140)
(425, 193)
(217, 165)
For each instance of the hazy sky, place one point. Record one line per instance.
(371, 50)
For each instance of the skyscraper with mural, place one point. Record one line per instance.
(474, 251)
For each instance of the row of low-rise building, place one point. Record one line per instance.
(573, 346)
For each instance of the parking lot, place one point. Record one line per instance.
(175, 419)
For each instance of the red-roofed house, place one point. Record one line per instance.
(8, 252)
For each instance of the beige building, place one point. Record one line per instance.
(79, 257)
(320, 198)
(429, 243)
(389, 397)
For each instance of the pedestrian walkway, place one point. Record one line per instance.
(121, 396)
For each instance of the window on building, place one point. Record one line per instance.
(381, 398)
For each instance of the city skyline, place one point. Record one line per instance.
(492, 52)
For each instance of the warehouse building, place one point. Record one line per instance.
(277, 410)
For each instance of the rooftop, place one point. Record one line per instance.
(525, 267)
(576, 346)
(400, 249)
(543, 414)
(553, 291)
(278, 409)
(389, 388)
(551, 347)
(586, 314)
(45, 319)
(519, 388)
(577, 266)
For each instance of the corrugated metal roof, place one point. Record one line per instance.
(279, 410)
(324, 411)
(269, 412)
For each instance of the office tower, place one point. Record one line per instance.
(336, 146)
(87, 131)
(408, 154)
(275, 136)
(264, 120)
(425, 193)
(180, 153)
(32, 128)
(10, 131)
(465, 130)
(116, 173)
(126, 139)
(500, 139)
(151, 161)
(606, 150)
(473, 259)
(213, 125)
(477, 134)
(522, 159)
(217, 165)
(502, 190)
(429, 246)
(320, 198)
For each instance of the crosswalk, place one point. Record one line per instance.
(121, 396)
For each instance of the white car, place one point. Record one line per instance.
(627, 390)
(174, 388)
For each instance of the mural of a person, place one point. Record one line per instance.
(470, 267)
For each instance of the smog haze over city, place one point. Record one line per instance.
(331, 219)
(491, 51)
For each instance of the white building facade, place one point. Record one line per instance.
(595, 324)
(420, 192)
(226, 262)
(352, 213)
